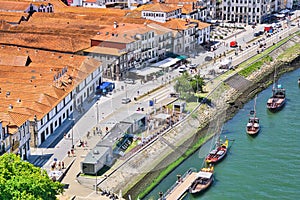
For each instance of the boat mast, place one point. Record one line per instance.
(254, 107)
(274, 82)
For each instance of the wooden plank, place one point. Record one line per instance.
(182, 187)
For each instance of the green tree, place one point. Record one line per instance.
(187, 85)
(22, 180)
(197, 83)
(183, 86)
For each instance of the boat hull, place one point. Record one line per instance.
(252, 131)
(214, 161)
(200, 188)
(277, 107)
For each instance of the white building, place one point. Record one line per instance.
(14, 138)
(129, 46)
(160, 12)
(249, 11)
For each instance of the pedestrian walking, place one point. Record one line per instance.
(69, 153)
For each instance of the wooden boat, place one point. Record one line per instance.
(218, 153)
(277, 100)
(253, 127)
(204, 179)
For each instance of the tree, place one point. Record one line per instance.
(187, 86)
(21, 180)
(183, 86)
(197, 83)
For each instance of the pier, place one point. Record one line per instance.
(180, 187)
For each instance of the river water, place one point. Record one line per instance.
(263, 167)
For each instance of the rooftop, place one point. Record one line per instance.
(33, 81)
(158, 7)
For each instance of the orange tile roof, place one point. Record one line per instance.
(90, 1)
(124, 33)
(157, 7)
(104, 50)
(47, 42)
(11, 16)
(13, 6)
(183, 24)
(31, 90)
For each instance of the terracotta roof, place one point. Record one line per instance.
(44, 41)
(177, 24)
(13, 6)
(124, 33)
(157, 7)
(11, 16)
(105, 51)
(90, 1)
(13, 60)
(179, 1)
(33, 89)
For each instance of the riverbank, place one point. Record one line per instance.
(137, 174)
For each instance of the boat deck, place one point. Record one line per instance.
(181, 187)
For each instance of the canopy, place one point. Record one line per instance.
(166, 62)
(162, 116)
(225, 62)
(204, 175)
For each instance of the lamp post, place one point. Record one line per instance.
(96, 184)
(97, 118)
(72, 132)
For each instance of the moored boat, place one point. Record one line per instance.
(218, 153)
(204, 179)
(253, 126)
(277, 100)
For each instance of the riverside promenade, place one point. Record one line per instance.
(107, 118)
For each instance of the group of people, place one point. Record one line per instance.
(58, 165)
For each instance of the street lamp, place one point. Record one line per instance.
(97, 113)
(72, 132)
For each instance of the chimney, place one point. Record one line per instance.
(115, 24)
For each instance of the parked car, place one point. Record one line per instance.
(193, 66)
(182, 69)
(129, 81)
(126, 100)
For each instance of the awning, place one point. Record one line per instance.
(182, 57)
(158, 64)
(170, 63)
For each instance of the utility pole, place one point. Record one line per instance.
(97, 118)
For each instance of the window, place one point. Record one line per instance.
(55, 124)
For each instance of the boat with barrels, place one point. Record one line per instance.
(204, 179)
(253, 126)
(277, 100)
(218, 153)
